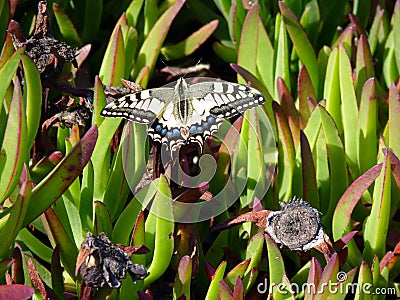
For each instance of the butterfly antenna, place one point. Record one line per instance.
(191, 68)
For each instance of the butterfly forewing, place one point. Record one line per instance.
(142, 107)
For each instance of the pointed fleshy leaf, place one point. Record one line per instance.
(310, 189)
(164, 242)
(113, 66)
(16, 291)
(349, 109)
(68, 249)
(301, 43)
(364, 64)
(15, 220)
(213, 289)
(364, 280)
(286, 161)
(14, 149)
(102, 219)
(190, 44)
(394, 119)
(376, 226)
(367, 127)
(58, 181)
(7, 72)
(282, 56)
(313, 279)
(32, 96)
(305, 91)
(67, 28)
(237, 271)
(183, 278)
(329, 275)
(276, 265)
(337, 159)
(150, 49)
(247, 52)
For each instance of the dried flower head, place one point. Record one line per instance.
(297, 226)
(100, 262)
(48, 54)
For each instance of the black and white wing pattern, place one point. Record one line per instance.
(185, 113)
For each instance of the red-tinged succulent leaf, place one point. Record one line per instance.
(102, 219)
(288, 107)
(16, 292)
(367, 127)
(7, 72)
(225, 292)
(314, 276)
(8, 48)
(210, 271)
(364, 64)
(394, 119)
(190, 195)
(163, 232)
(356, 22)
(184, 269)
(113, 66)
(68, 250)
(99, 101)
(328, 276)
(349, 108)
(237, 271)
(144, 296)
(32, 97)
(67, 28)
(310, 188)
(342, 242)
(62, 176)
(286, 159)
(214, 287)
(345, 39)
(394, 160)
(45, 165)
(183, 278)
(305, 90)
(15, 219)
(238, 289)
(396, 33)
(247, 51)
(348, 201)
(191, 43)
(390, 258)
(83, 54)
(14, 148)
(57, 278)
(5, 264)
(376, 225)
(138, 237)
(150, 49)
(275, 262)
(301, 43)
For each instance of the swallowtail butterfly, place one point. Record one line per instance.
(185, 113)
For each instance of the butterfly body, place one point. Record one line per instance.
(186, 112)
